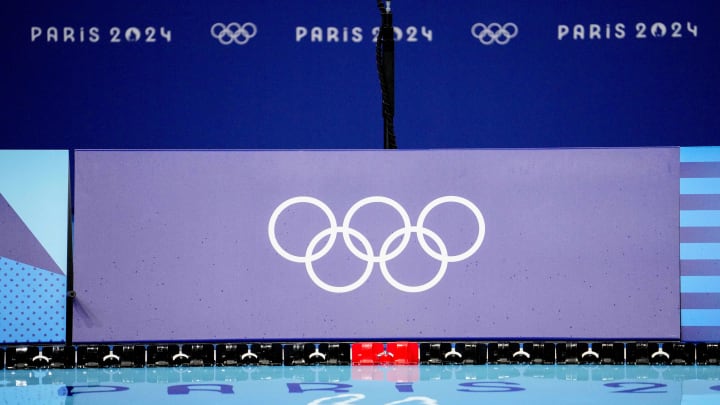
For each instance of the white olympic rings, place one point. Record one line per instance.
(368, 254)
(233, 32)
(494, 33)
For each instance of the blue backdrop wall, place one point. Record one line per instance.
(470, 74)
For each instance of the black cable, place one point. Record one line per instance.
(385, 54)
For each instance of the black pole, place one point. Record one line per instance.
(386, 70)
(70, 274)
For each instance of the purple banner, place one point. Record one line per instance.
(206, 245)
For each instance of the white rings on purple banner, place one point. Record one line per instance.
(366, 252)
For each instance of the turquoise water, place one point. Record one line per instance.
(326, 385)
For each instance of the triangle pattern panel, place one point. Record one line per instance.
(35, 184)
(18, 242)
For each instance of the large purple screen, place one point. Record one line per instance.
(223, 245)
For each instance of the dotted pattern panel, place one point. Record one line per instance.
(32, 304)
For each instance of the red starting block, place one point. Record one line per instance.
(367, 354)
(403, 353)
(396, 353)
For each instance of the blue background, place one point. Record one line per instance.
(275, 92)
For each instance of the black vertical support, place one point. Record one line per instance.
(388, 72)
(70, 295)
(385, 55)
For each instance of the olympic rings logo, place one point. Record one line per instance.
(367, 253)
(494, 33)
(233, 32)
